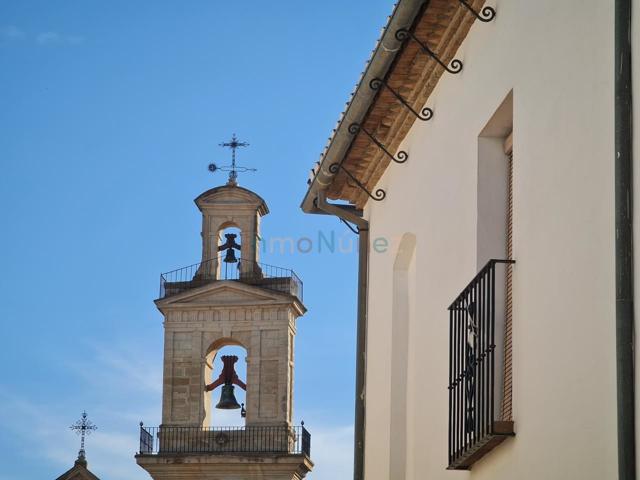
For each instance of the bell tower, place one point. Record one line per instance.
(229, 298)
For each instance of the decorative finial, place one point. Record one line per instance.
(83, 427)
(233, 169)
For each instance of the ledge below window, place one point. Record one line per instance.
(501, 431)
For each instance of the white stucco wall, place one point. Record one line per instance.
(557, 57)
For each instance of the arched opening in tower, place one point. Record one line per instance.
(226, 376)
(229, 251)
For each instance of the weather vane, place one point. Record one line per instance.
(83, 427)
(233, 169)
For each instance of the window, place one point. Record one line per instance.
(480, 317)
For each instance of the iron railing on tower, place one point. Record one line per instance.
(473, 426)
(279, 439)
(274, 278)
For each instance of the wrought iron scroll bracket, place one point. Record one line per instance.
(402, 156)
(486, 14)
(454, 67)
(425, 114)
(378, 195)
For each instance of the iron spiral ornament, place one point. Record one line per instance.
(353, 129)
(402, 156)
(455, 66)
(485, 15)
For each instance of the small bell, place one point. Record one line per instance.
(227, 398)
(230, 257)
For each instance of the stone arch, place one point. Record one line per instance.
(231, 224)
(223, 342)
(228, 224)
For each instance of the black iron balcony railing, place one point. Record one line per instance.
(249, 272)
(473, 429)
(282, 440)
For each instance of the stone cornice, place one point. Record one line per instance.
(196, 467)
(226, 194)
(254, 297)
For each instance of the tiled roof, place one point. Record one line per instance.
(442, 25)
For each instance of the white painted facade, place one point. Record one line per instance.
(556, 59)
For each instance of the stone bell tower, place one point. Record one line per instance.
(225, 300)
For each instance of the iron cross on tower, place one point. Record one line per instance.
(233, 169)
(83, 427)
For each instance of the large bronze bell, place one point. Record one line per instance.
(229, 246)
(226, 380)
(227, 398)
(230, 257)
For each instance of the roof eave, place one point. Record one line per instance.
(382, 57)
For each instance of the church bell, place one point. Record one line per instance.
(227, 399)
(230, 257)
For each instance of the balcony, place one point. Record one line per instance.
(248, 272)
(474, 429)
(278, 440)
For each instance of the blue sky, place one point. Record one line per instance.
(110, 112)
